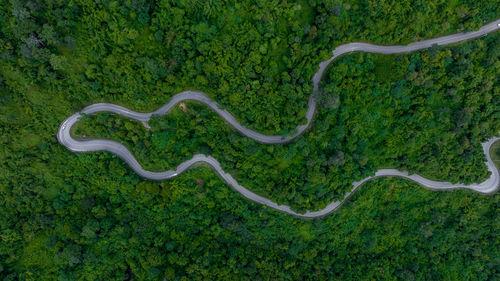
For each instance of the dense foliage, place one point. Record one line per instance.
(426, 112)
(67, 216)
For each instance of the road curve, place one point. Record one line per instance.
(489, 186)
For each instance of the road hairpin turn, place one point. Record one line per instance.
(489, 186)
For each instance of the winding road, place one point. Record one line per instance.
(489, 186)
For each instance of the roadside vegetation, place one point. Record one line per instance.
(428, 114)
(495, 154)
(87, 216)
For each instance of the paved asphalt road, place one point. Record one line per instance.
(490, 186)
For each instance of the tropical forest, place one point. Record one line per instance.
(67, 215)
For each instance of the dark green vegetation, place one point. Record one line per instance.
(426, 112)
(67, 216)
(495, 153)
(428, 116)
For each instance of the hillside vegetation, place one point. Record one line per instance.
(87, 216)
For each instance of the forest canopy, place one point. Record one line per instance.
(87, 216)
(426, 112)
